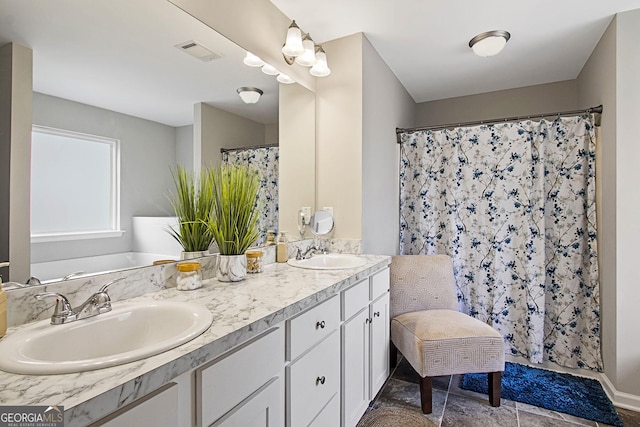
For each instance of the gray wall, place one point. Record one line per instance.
(386, 105)
(550, 97)
(597, 85)
(184, 146)
(216, 129)
(147, 151)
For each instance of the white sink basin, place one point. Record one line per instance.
(329, 262)
(131, 331)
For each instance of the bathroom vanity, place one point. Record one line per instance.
(287, 347)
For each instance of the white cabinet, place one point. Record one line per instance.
(313, 374)
(159, 408)
(262, 409)
(227, 386)
(365, 344)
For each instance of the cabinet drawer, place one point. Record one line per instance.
(308, 328)
(227, 381)
(355, 299)
(312, 381)
(379, 283)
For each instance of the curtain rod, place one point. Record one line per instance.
(592, 110)
(253, 147)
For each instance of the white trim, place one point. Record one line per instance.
(63, 237)
(619, 398)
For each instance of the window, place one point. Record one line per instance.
(74, 185)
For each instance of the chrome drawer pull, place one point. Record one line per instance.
(320, 380)
(376, 314)
(320, 325)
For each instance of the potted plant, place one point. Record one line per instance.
(192, 204)
(234, 219)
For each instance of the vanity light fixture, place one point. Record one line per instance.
(293, 45)
(320, 68)
(270, 70)
(250, 95)
(283, 78)
(300, 48)
(489, 43)
(252, 60)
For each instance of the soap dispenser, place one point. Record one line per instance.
(282, 251)
(3, 305)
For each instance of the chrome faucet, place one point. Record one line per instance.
(311, 250)
(63, 312)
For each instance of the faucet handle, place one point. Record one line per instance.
(62, 310)
(108, 284)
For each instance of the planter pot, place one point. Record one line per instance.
(192, 255)
(231, 268)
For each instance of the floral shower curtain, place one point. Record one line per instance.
(265, 161)
(514, 205)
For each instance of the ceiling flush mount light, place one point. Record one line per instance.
(300, 48)
(489, 43)
(250, 95)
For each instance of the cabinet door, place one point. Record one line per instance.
(265, 408)
(355, 368)
(160, 409)
(379, 343)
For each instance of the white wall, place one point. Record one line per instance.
(386, 105)
(628, 201)
(16, 77)
(297, 164)
(147, 151)
(339, 136)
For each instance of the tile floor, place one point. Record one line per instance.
(453, 406)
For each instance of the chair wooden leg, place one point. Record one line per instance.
(494, 388)
(393, 355)
(426, 391)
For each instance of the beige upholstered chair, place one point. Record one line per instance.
(430, 332)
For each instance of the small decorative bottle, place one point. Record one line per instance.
(282, 251)
(270, 238)
(189, 276)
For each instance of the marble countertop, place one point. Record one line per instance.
(240, 311)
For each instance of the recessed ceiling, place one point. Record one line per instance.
(425, 42)
(121, 55)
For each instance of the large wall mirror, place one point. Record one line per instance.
(127, 71)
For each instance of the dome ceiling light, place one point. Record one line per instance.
(489, 43)
(250, 95)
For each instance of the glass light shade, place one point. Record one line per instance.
(308, 58)
(293, 45)
(283, 78)
(249, 95)
(252, 60)
(270, 70)
(320, 69)
(489, 46)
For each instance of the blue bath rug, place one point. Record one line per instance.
(582, 397)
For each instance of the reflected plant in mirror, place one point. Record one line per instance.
(160, 120)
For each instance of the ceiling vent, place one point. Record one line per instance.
(196, 50)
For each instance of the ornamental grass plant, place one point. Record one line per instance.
(234, 219)
(192, 203)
